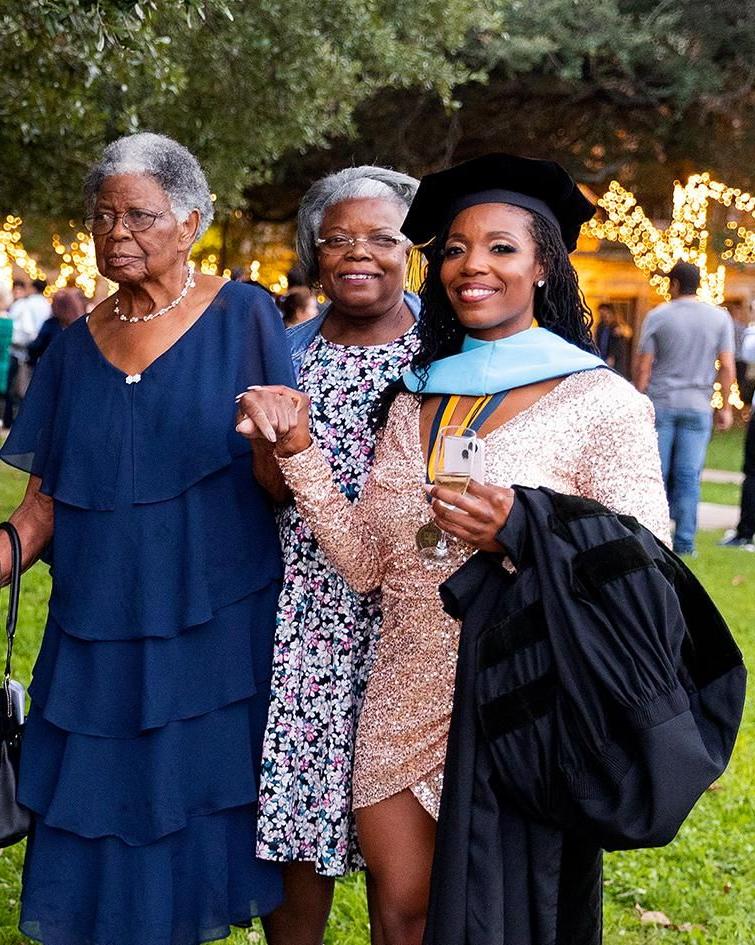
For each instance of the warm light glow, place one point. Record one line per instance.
(655, 251)
(734, 399)
(208, 265)
(78, 265)
(13, 254)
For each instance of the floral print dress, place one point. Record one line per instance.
(326, 633)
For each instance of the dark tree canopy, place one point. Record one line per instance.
(643, 91)
(272, 93)
(239, 82)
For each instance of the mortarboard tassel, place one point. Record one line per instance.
(415, 270)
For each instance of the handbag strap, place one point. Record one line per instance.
(14, 593)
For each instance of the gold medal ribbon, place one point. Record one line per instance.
(443, 416)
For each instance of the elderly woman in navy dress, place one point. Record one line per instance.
(350, 242)
(150, 692)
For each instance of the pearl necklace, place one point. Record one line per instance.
(189, 284)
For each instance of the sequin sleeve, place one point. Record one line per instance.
(621, 467)
(346, 532)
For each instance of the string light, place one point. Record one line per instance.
(734, 398)
(13, 254)
(78, 265)
(208, 265)
(655, 251)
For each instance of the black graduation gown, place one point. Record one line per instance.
(598, 693)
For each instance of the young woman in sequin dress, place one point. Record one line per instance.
(326, 632)
(493, 267)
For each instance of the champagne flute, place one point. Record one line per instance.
(456, 461)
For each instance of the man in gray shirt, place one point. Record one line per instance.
(679, 344)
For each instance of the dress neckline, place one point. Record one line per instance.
(402, 338)
(124, 374)
(416, 426)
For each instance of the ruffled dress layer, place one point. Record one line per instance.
(150, 693)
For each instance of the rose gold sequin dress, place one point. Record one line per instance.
(592, 435)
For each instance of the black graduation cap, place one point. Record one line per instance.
(543, 187)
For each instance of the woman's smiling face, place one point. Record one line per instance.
(363, 281)
(490, 269)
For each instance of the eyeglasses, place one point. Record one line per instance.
(136, 221)
(379, 244)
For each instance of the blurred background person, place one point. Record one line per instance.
(297, 276)
(740, 317)
(67, 305)
(613, 337)
(679, 345)
(34, 308)
(29, 311)
(621, 347)
(604, 330)
(6, 334)
(742, 536)
(298, 305)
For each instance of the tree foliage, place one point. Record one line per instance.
(643, 90)
(239, 82)
(271, 93)
(628, 86)
(65, 66)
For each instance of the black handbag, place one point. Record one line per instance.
(15, 820)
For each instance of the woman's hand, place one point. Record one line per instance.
(477, 516)
(277, 414)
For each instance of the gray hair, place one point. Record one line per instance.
(365, 182)
(172, 165)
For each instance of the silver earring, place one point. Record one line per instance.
(540, 283)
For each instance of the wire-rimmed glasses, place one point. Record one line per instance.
(135, 220)
(378, 243)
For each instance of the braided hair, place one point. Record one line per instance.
(559, 306)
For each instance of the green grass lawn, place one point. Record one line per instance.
(705, 878)
(721, 493)
(726, 449)
(724, 452)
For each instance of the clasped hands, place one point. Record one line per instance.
(276, 415)
(279, 416)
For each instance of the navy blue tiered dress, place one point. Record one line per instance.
(150, 693)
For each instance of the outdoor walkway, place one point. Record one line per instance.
(723, 475)
(712, 516)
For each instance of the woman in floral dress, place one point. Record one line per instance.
(350, 241)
